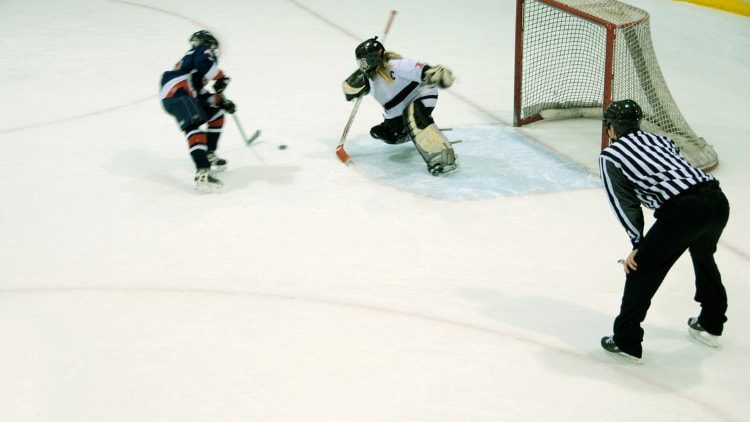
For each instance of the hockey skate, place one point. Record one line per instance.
(217, 164)
(443, 163)
(206, 182)
(443, 169)
(389, 137)
(608, 343)
(698, 333)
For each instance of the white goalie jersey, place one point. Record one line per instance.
(395, 95)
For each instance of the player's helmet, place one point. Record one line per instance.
(204, 37)
(624, 116)
(369, 55)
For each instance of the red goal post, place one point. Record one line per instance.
(574, 57)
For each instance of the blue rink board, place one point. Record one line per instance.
(493, 160)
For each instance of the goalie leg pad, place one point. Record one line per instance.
(432, 145)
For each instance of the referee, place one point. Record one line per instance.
(691, 211)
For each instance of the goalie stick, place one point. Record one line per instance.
(340, 152)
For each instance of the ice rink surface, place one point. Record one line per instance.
(308, 290)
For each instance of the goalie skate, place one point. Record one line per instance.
(441, 170)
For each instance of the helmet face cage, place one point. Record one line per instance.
(363, 64)
(204, 37)
(369, 55)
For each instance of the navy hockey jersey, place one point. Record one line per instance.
(191, 73)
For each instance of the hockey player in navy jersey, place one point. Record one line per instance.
(199, 113)
(408, 92)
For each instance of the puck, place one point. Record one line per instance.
(282, 146)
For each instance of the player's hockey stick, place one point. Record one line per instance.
(247, 140)
(252, 137)
(340, 152)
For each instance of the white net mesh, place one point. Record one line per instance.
(564, 62)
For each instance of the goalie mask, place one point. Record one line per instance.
(624, 116)
(369, 55)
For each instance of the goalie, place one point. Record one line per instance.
(408, 92)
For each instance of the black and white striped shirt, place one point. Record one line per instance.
(643, 168)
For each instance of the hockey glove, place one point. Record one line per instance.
(438, 75)
(228, 106)
(356, 85)
(221, 84)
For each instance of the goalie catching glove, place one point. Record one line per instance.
(356, 85)
(438, 75)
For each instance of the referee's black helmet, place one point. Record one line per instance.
(624, 116)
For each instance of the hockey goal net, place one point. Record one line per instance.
(574, 57)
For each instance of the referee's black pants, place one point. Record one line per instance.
(692, 220)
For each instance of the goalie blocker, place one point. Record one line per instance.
(432, 145)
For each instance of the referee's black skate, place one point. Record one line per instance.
(700, 334)
(608, 344)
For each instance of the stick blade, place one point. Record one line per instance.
(252, 137)
(343, 156)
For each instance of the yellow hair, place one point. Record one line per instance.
(384, 67)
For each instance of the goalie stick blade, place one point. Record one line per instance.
(253, 137)
(343, 156)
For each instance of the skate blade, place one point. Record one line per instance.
(623, 357)
(204, 188)
(252, 137)
(704, 337)
(448, 171)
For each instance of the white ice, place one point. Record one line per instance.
(313, 291)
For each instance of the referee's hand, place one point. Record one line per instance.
(629, 264)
